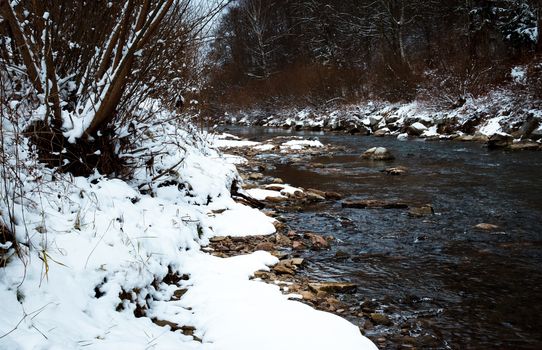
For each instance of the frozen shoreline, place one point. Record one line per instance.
(101, 254)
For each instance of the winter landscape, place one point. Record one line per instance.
(290, 174)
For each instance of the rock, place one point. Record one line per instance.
(309, 296)
(377, 153)
(264, 275)
(400, 170)
(282, 268)
(380, 319)
(255, 176)
(374, 120)
(298, 245)
(536, 134)
(317, 192)
(178, 294)
(416, 129)
(283, 240)
(472, 138)
(382, 132)
(317, 241)
(524, 146)
(498, 141)
(333, 195)
(279, 226)
(315, 195)
(486, 227)
(373, 203)
(276, 199)
(278, 180)
(217, 239)
(530, 125)
(422, 211)
(163, 323)
(333, 287)
(297, 261)
(267, 246)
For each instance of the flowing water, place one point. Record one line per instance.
(444, 283)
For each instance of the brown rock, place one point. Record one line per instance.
(178, 294)
(499, 141)
(333, 195)
(264, 275)
(333, 287)
(255, 176)
(217, 239)
(317, 241)
(313, 196)
(283, 269)
(524, 146)
(422, 211)
(309, 296)
(298, 245)
(267, 246)
(283, 240)
(275, 199)
(400, 170)
(486, 227)
(381, 319)
(317, 192)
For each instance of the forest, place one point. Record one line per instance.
(295, 53)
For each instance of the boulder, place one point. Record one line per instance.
(498, 141)
(374, 120)
(524, 146)
(333, 195)
(422, 211)
(531, 124)
(255, 176)
(378, 153)
(416, 129)
(382, 132)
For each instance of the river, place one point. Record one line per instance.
(439, 279)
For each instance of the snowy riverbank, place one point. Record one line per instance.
(109, 263)
(499, 114)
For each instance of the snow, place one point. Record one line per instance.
(300, 144)
(234, 143)
(519, 74)
(492, 126)
(241, 220)
(262, 194)
(285, 190)
(264, 148)
(89, 235)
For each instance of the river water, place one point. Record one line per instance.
(437, 277)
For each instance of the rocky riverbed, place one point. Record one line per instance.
(385, 243)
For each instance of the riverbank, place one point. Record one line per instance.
(500, 119)
(108, 263)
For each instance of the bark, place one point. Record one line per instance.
(107, 108)
(22, 44)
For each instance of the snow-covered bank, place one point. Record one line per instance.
(500, 112)
(97, 252)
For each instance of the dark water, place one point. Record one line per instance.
(436, 277)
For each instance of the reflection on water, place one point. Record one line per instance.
(463, 287)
